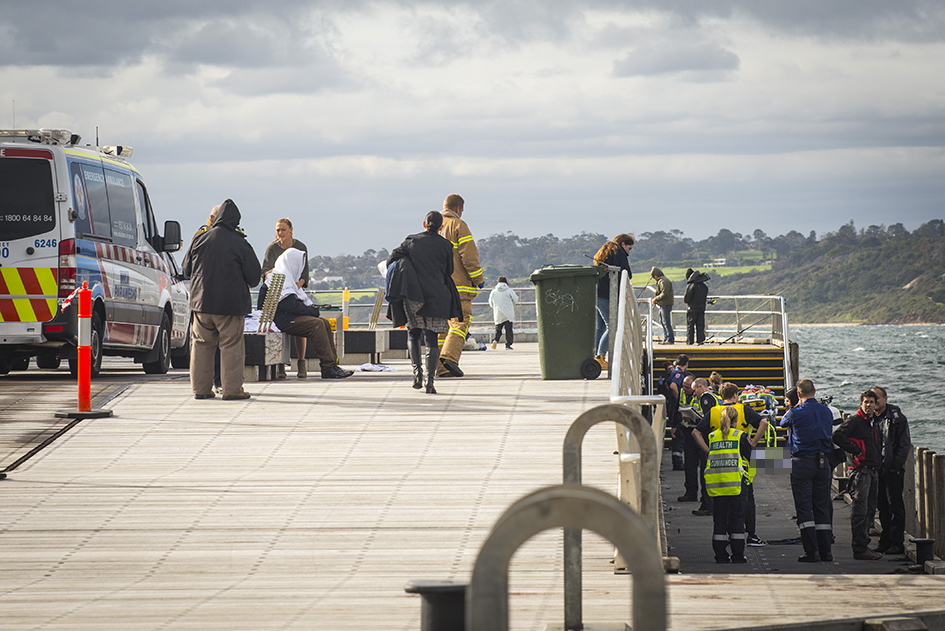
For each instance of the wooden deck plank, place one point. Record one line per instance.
(314, 503)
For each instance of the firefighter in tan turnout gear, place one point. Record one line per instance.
(467, 276)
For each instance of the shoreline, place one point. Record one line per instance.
(796, 324)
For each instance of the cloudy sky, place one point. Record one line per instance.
(548, 116)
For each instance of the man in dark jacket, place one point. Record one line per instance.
(897, 447)
(696, 294)
(222, 267)
(860, 436)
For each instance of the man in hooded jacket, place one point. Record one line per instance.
(503, 299)
(222, 266)
(696, 294)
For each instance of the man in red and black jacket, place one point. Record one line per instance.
(861, 436)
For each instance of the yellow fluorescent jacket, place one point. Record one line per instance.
(467, 274)
(724, 468)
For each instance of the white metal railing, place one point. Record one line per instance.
(633, 352)
(733, 318)
(360, 312)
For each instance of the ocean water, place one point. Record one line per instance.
(909, 361)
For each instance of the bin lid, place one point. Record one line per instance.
(567, 271)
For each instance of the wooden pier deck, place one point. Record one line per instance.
(311, 506)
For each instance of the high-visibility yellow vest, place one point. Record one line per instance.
(715, 418)
(725, 466)
(687, 400)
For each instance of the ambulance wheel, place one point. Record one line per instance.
(96, 344)
(21, 363)
(48, 361)
(590, 369)
(6, 365)
(163, 344)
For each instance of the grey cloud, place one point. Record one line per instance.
(117, 32)
(905, 20)
(114, 33)
(231, 44)
(670, 58)
(308, 79)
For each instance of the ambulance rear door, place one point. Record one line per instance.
(29, 242)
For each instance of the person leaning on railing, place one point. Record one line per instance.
(615, 253)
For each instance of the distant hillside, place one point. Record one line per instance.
(879, 276)
(876, 275)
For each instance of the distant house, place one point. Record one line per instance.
(723, 263)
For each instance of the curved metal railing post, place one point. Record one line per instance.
(574, 507)
(638, 427)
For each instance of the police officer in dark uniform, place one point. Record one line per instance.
(690, 411)
(811, 424)
(678, 442)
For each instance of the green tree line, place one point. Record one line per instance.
(876, 274)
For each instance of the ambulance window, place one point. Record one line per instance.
(26, 198)
(121, 203)
(146, 217)
(91, 201)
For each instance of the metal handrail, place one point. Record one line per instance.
(480, 320)
(573, 507)
(648, 504)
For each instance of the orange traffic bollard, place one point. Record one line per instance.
(84, 348)
(84, 359)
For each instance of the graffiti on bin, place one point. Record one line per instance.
(559, 300)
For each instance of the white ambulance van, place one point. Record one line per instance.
(69, 214)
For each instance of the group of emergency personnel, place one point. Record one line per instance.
(222, 267)
(717, 432)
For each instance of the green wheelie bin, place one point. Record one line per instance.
(566, 298)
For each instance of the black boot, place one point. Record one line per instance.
(417, 360)
(433, 354)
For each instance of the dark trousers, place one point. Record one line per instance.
(810, 485)
(706, 503)
(318, 332)
(695, 326)
(695, 465)
(509, 336)
(864, 489)
(677, 444)
(892, 509)
(748, 490)
(728, 526)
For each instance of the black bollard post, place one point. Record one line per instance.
(443, 605)
(923, 550)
